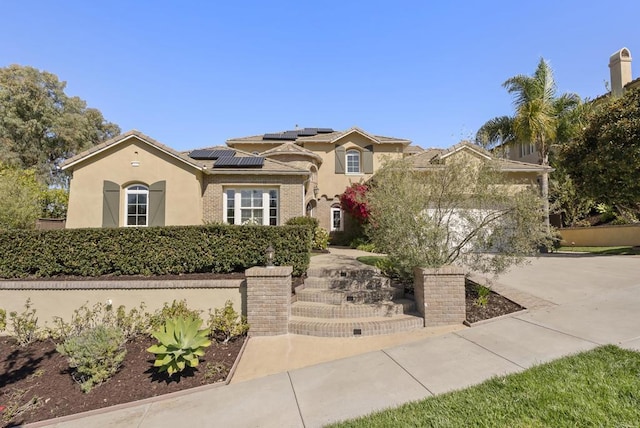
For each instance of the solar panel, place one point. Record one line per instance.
(280, 136)
(324, 130)
(207, 154)
(239, 162)
(307, 132)
(200, 154)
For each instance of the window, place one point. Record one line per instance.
(137, 205)
(526, 149)
(353, 162)
(336, 218)
(251, 206)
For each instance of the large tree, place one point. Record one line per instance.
(604, 161)
(460, 212)
(541, 117)
(40, 125)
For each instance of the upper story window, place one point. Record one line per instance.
(353, 162)
(137, 205)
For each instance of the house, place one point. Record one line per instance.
(133, 180)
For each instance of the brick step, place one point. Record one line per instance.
(347, 283)
(364, 273)
(350, 310)
(350, 327)
(338, 297)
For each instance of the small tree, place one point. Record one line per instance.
(20, 198)
(461, 211)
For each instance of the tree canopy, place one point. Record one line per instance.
(604, 161)
(40, 125)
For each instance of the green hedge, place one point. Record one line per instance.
(150, 251)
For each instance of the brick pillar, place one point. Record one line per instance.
(268, 300)
(439, 295)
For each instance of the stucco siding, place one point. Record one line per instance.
(183, 204)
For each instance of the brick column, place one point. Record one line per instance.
(439, 295)
(268, 300)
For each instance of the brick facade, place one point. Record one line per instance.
(290, 198)
(439, 295)
(268, 300)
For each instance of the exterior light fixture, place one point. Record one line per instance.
(269, 256)
(316, 190)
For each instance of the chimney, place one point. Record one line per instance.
(620, 69)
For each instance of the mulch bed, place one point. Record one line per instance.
(39, 371)
(496, 306)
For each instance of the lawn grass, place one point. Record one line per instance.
(595, 388)
(603, 250)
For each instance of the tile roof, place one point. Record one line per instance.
(291, 148)
(429, 159)
(124, 137)
(324, 137)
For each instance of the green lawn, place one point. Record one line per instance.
(603, 250)
(599, 388)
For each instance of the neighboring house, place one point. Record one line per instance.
(620, 80)
(133, 180)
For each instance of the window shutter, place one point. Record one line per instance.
(157, 193)
(367, 160)
(110, 204)
(340, 159)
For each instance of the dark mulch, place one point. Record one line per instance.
(496, 306)
(39, 371)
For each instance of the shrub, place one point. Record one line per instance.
(94, 355)
(483, 296)
(25, 325)
(131, 323)
(181, 343)
(320, 238)
(177, 309)
(150, 250)
(226, 323)
(3, 320)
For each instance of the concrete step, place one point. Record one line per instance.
(350, 327)
(350, 310)
(363, 273)
(347, 283)
(338, 297)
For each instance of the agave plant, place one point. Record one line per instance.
(181, 343)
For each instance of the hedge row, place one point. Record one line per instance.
(150, 251)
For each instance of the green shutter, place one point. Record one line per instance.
(367, 160)
(340, 159)
(157, 193)
(110, 204)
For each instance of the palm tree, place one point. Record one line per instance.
(540, 118)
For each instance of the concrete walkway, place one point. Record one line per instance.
(581, 303)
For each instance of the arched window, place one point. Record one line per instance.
(137, 205)
(353, 162)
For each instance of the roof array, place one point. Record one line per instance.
(293, 135)
(227, 158)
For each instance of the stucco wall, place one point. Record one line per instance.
(51, 299)
(290, 193)
(183, 204)
(601, 236)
